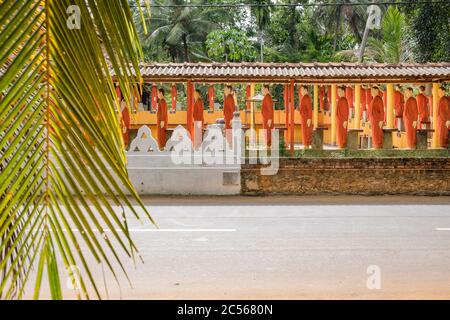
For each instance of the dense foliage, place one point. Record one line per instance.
(413, 32)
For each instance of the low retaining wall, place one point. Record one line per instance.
(364, 176)
(156, 174)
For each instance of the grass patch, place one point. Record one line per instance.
(435, 153)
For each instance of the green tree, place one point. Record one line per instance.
(429, 30)
(261, 14)
(394, 45)
(229, 45)
(62, 157)
(181, 31)
(334, 18)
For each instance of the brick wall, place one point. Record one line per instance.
(374, 176)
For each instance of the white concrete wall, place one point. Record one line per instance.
(153, 174)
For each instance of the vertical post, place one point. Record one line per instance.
(435, 112)
(174, 97)
(316, 106)
(286, 110)
(390, 106)
(211, 97)
(292, 110)
(189, 107)
(357, 106)
(333, 114)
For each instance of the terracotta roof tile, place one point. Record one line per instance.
(300, 72)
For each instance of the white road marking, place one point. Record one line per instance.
(442, 229)
(162, 230)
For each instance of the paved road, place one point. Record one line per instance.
(292, 248)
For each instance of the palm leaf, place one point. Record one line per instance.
(62, 161)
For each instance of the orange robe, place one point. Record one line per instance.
(161, 115)
(442, 117)
(328, 98)
(422, 106)
(305, 114)
(322, 97)
(267, 114)
(198, 116)
(410, 115)
(376, 115)
(342, 112)
(126, 125)
(383, 96)
(398, 104)
(211, 95)
(228, 110)
(349, 96)
(118, 94)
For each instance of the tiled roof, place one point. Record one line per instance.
(299, 72)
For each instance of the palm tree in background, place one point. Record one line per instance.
(333, 17)
(181, 30)
(391, 44)
(262, 16)
(63, 167)
(394, 44)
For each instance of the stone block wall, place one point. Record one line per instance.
(363, 176)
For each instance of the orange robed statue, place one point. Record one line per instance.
(398, 105)
(422, 106)
(198, 118)
(125, 123)
(306, 116)
(229, 107)
(349, 95)
(228, 110)
(162, 119)
(410, 115)
(267, 115)
(376, 118)
(443, 116)
(342, 112)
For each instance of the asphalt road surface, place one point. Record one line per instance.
(290, 248)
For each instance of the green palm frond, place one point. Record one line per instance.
(175, 34)
(62, 161)
(394, 46)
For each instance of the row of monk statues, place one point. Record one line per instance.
(412, 112)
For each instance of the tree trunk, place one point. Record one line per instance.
(186, 50)
(261, 42)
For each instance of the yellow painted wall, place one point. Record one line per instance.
(147, 118)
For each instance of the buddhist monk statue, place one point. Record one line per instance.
(125, 122)
(342, 113)
(443, 118)
(306, 116)
(376, 116)
(410, 116)
(422, 106)
(228, 110)
(198, 118)
(267, 114)
(161, 118)
(398, 107)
